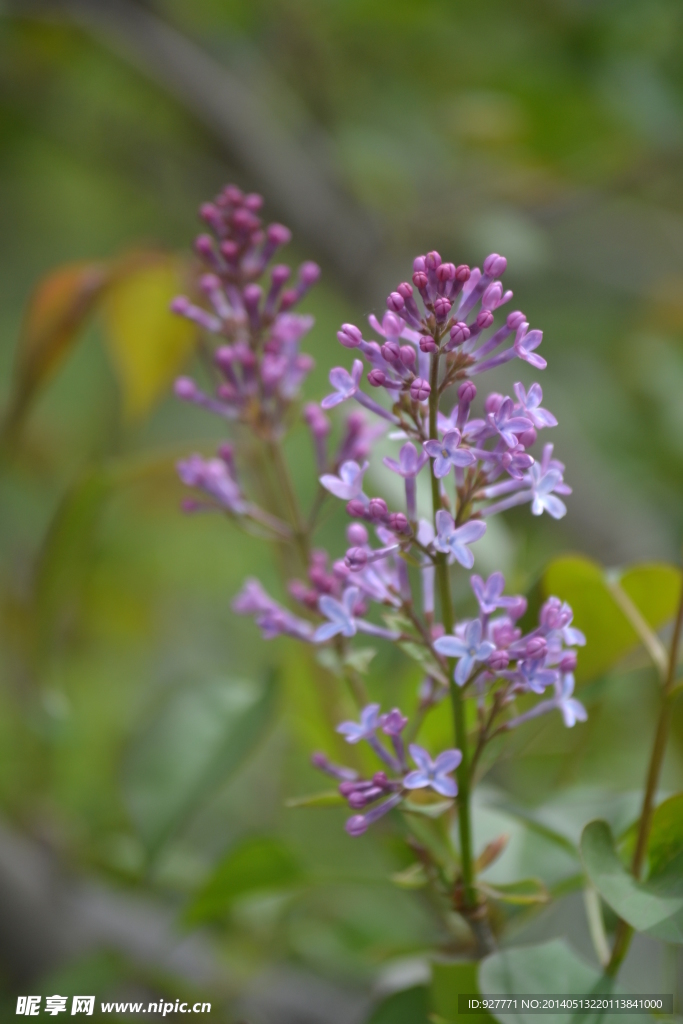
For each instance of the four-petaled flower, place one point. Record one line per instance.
(349, 483)
(345, 384)
(525, 343)
(542, 486)
(340, 615)
(490, 594)
(507, 424)
(534, 676)
(447, 453)
(354, 732)
(572, 709)
(436, 774)
(453, 540)
(470, 650)
(530, 402)
(409, 461)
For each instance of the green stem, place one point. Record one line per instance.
(457, 703)
(285, 482)
(624, 932)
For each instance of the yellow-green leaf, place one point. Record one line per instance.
(147, 343)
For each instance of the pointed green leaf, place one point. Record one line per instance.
(258, 864)
(450, 979)
(411, 1006)
(413, 877)
(653, 907)
(523, 893)
(666, 836)
(326, 798)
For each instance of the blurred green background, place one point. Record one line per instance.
(548, 130)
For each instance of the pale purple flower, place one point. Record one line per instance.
(270, 617)
(409, 461)
(542, 487)
(434, 774)
(526, 342)
(345, 384)
(507, 424)
(349, 483)
(354, 732)
(213, 477)
(556, 617)
(447, 453)
(453, 540)
(470, 650)
(572, 710)
(340, 616)
(534, 676)
(489, 594)
(530, 402)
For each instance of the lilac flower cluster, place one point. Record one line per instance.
(437, 335)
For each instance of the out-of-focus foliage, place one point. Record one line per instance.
(550, 130)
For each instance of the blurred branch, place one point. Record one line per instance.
(296, 183)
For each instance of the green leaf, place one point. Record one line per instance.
(419, 802)
(652, 907)
(360, 658)
(55, 314)
(326, 798)
(450, 980)
(258, 864)
(666, 836)
(148, 344)
(653, 589)
(523, 893)
(201, 735)
(411, 1006)
(413, 877)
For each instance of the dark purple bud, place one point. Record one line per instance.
(462, 273)
(230, 251)
(185, 388)
(377, 508)
(243, 220)
(234, 195)
(356, 559)
(527, 437)
(226, 452)
(391, 351)
(432, 260)
(484, 319)
(446, 272)
(494, 265)
(356, 508)
(405, 290)
(357, 800)
(408, 356)
(493, 402)
(537, 647)
(377, 378)
(380, 778)
(309, 273)
(209, 213)
(356, 825)
(498, 661)
(420, 280)
(398, 523)
(459, 332)
(203, 246)
(467, 392)
(515, 320)
(288, 299)
(252, 295)
(420, 390)
(278, 234)
(319, 760)
(442, 307)
(356, 534)
(395, 302)
(392, 724)
(279, 274)
(345, 788)
(568, 661)
(427, 345)
(349, 336)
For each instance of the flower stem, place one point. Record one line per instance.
(469, 892)
(299, 526)
(624, 932)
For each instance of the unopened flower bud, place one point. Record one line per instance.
(391, 351)
(527, 438)
(442, 307)
(446, 272)
(180, 305)
(518, 608)
(233, 194)
(340, 570)
(427, 345)
(278, 234)
(420, 280)
(356, 559)
(254, 202)
(498, 661)
(405, 290)
(185, 388)
(462, 273)
(420, 390)
(537, 647)
(356, 508)
(229, 250)
(467, 392)
(398, 523)
(568, 661)
(515, 320)
(484, 319)
(395, 302)
(356, 825)
(377, 378)
(309, 273)
(349, 336)
(408, 356)
(356, 534)
(493, 402)
(459, 332)
(494, 265)
(432, 260)
(378, 508)
(419, 264)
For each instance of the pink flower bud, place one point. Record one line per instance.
(356, 508)
(467, 392)
(515, 320)
(446, 272)
(376, 378)
(420, 280)
(568, 661)
(419, 263)
(498, 661)
(230, 251)
(432, 260)
(484, 319)
(398, 523)
(356, 559)
(309, 273)
(405, 290)
(278, 234)
(357, 825)
(349, 336)
(537, 647)
(420, 390)
(391, 351)
(377, 508)
(254, 202)
(442, 307)
(427, 345)
(185, 388)
(493, 402)
(527, 437)
(180, 305)
(494, 265)
(459, 332)
(408, 356)
(356, 534)
(462, 273)
(395, 302)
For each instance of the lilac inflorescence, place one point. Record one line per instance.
(437, 336)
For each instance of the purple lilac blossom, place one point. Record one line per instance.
(434, 774)
(470, 650)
